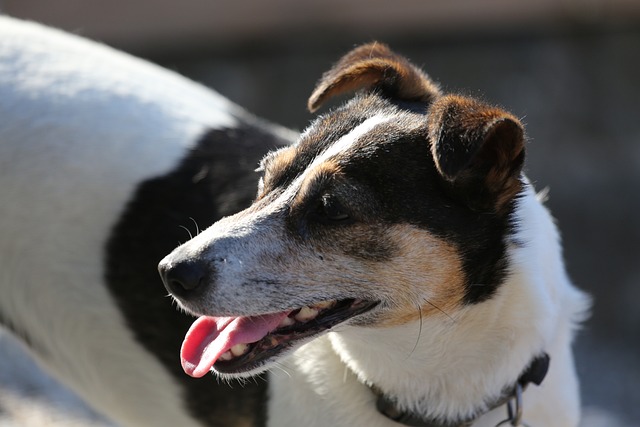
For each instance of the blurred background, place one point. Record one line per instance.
(569, 68)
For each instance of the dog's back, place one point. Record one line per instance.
(97, 150)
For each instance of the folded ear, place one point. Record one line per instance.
(478, 149)
(374, 66)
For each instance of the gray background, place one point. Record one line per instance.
(569, 69)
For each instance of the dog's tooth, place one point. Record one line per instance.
(287, 321)
(322, 305)
(239, 349)
(226, 356)
(306, 314)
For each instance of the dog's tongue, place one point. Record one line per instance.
(210, 337)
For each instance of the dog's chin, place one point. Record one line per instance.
(223, 371)
(282, 341)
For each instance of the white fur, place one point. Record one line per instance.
(80, 126)
(451, 363)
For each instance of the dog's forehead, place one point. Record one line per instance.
(362, 128)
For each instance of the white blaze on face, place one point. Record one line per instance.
(340, 146)
(347, 141)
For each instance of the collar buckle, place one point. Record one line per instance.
(514, 409)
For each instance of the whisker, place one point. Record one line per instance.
(260, 376)
(196, 224)
(281, 367)
(187, 230)
(440, 310)
(419, 334)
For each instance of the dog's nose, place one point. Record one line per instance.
(182, 277)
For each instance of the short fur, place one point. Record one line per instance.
(105, 158)
(106, 163)
(414, 200)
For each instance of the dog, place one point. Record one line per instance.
(395, 266)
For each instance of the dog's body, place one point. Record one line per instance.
(436, 269)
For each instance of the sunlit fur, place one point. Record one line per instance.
(81, 125)
(442, 229)
(435, 354)
(446, 363)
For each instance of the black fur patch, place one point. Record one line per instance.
(393, 166)
(328, 128)
(214, 180)
(410, 190)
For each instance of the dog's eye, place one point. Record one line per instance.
(331, 210)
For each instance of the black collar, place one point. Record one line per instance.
(534, 373)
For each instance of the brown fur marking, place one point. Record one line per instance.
(370, 66)
(319, 175)
(469, 137)
(425, 276)
(275, 166)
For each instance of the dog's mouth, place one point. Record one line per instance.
(234, 345)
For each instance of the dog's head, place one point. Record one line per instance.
(393, 206)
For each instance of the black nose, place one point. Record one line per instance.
(182, 277)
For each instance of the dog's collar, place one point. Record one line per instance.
(534, 373)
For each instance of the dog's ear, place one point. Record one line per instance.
(374, 66)
(478, 149)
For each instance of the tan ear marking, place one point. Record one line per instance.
(478, 148)
(374, 66)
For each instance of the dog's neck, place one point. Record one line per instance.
(435, 376)
(511, 399)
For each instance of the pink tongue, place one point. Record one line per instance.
(210, 337)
